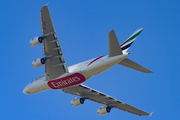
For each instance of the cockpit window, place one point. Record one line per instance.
(38, 78)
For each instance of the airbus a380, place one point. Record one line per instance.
(69, 79)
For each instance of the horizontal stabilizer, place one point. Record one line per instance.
(113, 43)
(130, 64)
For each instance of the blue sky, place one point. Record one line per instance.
(82, 28)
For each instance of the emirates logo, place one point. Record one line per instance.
(68, 81)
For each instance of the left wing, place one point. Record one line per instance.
(55, 65)
(96, 96)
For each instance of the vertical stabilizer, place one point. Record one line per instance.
(126, 45)
(113, 43)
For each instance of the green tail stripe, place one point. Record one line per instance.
(134, 36)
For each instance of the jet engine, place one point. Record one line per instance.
(77, 101)
(36, 41)
(103, 110)
(39, 62)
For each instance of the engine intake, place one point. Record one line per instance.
(77, 101)
(39, 62)
(36, 41)
(103, 110)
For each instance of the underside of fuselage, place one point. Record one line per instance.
(78, 74)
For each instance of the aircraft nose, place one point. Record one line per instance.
(26, 91)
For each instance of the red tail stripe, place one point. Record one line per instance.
(124, 43)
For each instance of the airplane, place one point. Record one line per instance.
(69, 79)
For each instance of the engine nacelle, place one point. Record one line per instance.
(39, 62)
(36, 41)
(103, 110)
(77, 101)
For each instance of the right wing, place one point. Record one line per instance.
(96, 96)
(55, 65)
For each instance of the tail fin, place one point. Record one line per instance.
(126, 45)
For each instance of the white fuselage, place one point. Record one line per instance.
(86, 69)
